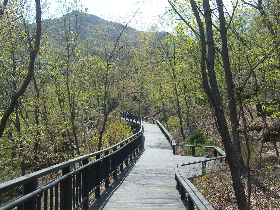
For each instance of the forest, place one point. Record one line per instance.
(212, 80)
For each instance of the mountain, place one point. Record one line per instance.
(88, 27)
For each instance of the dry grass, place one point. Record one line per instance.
(217, 187)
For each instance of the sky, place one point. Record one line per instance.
(142, 13)
(147, 12)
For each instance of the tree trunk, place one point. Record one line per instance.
(215, 99)
(188, 107)
(176, 92)
(230, 85)
(32, 56)
(179, 112)
(106, 87)
(2, 9)
(37, 111)
(163, 108)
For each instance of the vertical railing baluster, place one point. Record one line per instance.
(46, 200)
(51, 198)
(56, 197)
(39, 200)
(74, 183)
(80, 187)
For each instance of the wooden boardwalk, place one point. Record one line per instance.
(150, 184)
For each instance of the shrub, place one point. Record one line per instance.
(163, 118)
(197, 138)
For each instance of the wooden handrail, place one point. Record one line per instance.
(72, 189)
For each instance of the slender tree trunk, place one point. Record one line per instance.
(2, 9)
(104, 106)
(176, 91)
(74, 128)
(71, 97)
(264, 120)
(32, 56)
(179, 112)
(230, 85)
(61, 106)
(215, 99)
(163, 108)
(187, 106)
(37, 114)
(249, 189)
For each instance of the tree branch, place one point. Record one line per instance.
(260, 62)
(183, 19)
(250, 4)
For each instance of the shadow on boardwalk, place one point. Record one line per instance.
(106, 195)
(148, 182)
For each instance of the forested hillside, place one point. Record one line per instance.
(89, 28)
(216, 76)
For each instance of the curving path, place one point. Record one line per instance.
(150, 184)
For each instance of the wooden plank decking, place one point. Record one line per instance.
(150, 184)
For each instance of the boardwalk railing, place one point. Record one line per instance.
(189, 193)
(78, 178)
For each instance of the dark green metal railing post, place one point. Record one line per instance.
(193, 150)
(85, 184)
(65, 190)
(114, 164)
(97, 177)
(28, 188)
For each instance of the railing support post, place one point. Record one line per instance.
(28, 188)
(107, 181)
(193, 150)
(115, 174)
(183, 193)
(215, 153)
(203, 168)
(121, 157)
(65, 190)
(173, 148)
(85, 185)
(190, 204)
(97, 178)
